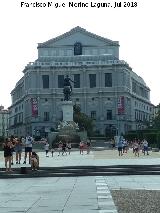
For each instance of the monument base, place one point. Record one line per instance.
(67, 109)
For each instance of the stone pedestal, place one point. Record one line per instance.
(67, 109)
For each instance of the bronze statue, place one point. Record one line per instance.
(67, 90)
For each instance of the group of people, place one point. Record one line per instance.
(64, 147)
(15, 145)
(136, 145)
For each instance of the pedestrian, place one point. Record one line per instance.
(7, 148)
(52, 151)
(28, 148)
(81, 147)
(34, 159)
(136, 147)
(69, 146)
(120, 146)
(88, 146)
(64, 148)
(18, 150)
(59, 148)
(145, 147)
(124, 146)
(13, 141)
(46, 147)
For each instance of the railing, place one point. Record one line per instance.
(75, 63)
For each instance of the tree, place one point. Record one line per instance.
(156, 120)
(84, 121)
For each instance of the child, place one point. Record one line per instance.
(34, 161)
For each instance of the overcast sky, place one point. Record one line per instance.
(136, 29)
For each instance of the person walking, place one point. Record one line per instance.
(69, 146)
(88, 146)
(46, 147)
(13, 143)
(64, 148)
(145, 147)
(59, 148)
(81, 147)
(120, 147)
(136, 147)
(52, 151)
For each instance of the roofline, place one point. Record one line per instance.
(77, 29)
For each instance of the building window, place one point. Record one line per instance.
(77, 48)
(76, 80)
(60, 81)
(46, 116)
(109, 114)
(108, 79)
(92, 80)
(45, 79)
(93, 115)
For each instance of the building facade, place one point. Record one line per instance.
(105, 87)
(4, 118)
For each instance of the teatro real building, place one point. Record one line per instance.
(105, 87)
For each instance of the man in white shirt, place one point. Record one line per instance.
(28, 148)
(145, 147)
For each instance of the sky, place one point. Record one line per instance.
(136, 28)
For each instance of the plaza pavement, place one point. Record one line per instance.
(74, 194)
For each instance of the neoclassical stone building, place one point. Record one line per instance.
(4, 117)
(105, 87)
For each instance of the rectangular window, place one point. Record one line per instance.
(93, 115)
(92, 80)
(60, 81)
(108, 79)
(46, 116)
(45, 79)
(76, 80)
(109, 114)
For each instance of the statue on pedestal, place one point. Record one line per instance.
(67, 90)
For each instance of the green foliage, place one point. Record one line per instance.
(156, 120)
(84, 122)
(131, 136)
(151, 135)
